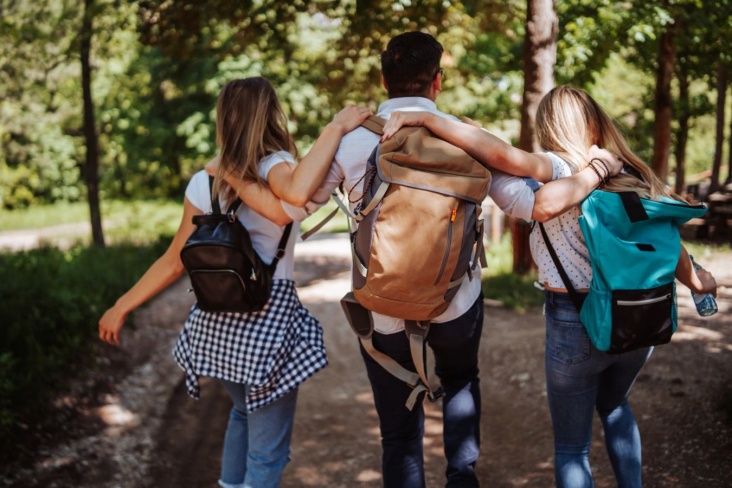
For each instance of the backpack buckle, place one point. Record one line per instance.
(231, 216)
(433, 396)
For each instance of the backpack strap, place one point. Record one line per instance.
(374, 124)
(216, 208)
(340, 206)
(281, 247)
(416, 331)
(362, 323)
(567, 283)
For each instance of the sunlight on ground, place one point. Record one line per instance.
(689, 332)
(116, 417)
(368, 475)
(324, 291)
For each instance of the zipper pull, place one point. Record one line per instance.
(454, 215)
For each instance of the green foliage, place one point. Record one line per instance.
(51, 301)
(158, 67)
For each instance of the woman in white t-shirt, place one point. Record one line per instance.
(570, 126)
(260, 357)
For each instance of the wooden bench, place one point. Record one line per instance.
(720, 211)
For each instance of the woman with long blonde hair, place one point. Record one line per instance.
(261, 357)
(570, 127)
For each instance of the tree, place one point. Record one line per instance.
(721, 83)
(663, 104)
(540, 54)
(91, 167)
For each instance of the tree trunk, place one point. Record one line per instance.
(540, 56)
(662, 105)
(719, 137)
(91, 167)
(682, 135)
(729, 156)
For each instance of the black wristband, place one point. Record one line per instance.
(592, 167)
(607, 170)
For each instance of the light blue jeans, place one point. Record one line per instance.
(257, 444)
(580, 379)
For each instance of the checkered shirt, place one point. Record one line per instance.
(273, 350)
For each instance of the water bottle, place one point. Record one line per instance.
(705, 303)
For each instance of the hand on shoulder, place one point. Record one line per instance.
(350, 117)
(397, 120)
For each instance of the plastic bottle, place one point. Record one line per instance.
(705, 303)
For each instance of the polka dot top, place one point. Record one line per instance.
(566, 238)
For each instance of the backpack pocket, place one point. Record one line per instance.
(220, 290)
(642, 318)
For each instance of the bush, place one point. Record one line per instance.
(51, 302)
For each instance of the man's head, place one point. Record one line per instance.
(411, 64)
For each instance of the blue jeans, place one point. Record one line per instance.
(455, 345)
(579, 379)
(257, 444)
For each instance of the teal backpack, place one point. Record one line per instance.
(634, 247)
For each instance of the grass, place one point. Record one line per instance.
(113, 211)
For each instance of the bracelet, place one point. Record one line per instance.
(602, 181)
(607, 170)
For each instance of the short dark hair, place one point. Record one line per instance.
(410, 63)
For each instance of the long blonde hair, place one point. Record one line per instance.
(569, 122)
(250, 124)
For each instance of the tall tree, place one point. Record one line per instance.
(91, 166)
(682, 133)
(663, 103)
(722, 82)
(540, 56)
(729, 156)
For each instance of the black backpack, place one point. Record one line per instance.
(226, 272)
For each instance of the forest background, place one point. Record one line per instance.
(110, 104)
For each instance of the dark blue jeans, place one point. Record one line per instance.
(455, 345)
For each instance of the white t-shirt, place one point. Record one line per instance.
(568, 242)
(265, 233)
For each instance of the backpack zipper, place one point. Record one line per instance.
(649, 301)
(453, 216)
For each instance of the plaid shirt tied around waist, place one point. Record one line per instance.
(273, 350)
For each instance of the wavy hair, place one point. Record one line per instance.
(250, 124)
(569, 121)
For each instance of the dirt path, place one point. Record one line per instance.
(139, 429)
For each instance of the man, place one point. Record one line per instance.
(412, 76)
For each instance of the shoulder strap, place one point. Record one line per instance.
(374, 124)
(216, 208)
(567, 283)
(281, 247)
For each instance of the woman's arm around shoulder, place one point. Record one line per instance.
(161, 274)
(479, 143)
(296, 184)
